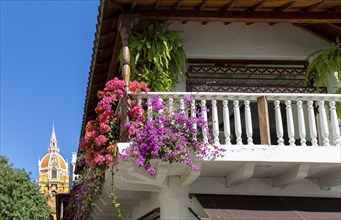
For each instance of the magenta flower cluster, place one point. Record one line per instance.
(169, 135)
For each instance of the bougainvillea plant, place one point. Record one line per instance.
(163, 131)
(98, 150)
(101, 134)
(166, 132)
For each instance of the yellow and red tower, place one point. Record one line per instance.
(53, 174)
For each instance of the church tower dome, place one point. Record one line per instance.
(53, 173)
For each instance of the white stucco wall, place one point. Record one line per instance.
(240, 41)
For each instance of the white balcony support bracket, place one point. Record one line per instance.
(161, 172)
(189, 176)
(331, 180)
(297, 173)
(241, 174)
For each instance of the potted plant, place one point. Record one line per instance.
(325, 66)
(157, 57)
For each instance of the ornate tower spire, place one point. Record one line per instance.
(53, 142)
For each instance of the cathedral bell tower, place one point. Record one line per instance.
(53, 173)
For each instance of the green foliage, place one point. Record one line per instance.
(157, 57)
(323, 64)
(19, 197)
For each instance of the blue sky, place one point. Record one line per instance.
(46, 49)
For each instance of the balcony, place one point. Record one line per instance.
(276, 144)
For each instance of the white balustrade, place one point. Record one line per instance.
(160, 111)
(324, 124)
(150, 108)
(215, 121)
(193, 115)
(237, 122)
(279, 123)
(290, 123)
(182, 105)
(248, 122)
(304, 101)
(312, 123)
(226, 116)
(204, 116)
(335, 124)
(139, 99)
(301, 122)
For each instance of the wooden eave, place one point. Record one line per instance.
(321, 17)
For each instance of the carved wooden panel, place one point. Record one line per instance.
(264, 79)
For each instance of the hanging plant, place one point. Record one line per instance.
(157, 57)
(324, 64)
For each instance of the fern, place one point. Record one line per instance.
(157, 57)
(324, 63)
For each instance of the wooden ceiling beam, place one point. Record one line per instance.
(256, 6)
(132, 5)
(238, 16)
(157, 4)
(323, 31)
(202, 5)
(177, 5)
(312, 7)
(334, 9)
(228, 6)
(285, 6)
(336, 26)
(116, 4)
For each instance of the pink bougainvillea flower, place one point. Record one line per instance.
(100, 140)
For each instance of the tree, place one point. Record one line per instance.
(19, 196)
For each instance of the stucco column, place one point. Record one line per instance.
(174, 200)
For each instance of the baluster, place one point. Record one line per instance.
(290, 123)
(170, 107)
(301, 123)
(182, 105)
(312, 123)
(160, 112)
(227, 129)
(324, 124)
(204, 116)
(139, 99)
(237, 122)
(193, 116)
(335, 124)
(150, 108)
(279, 124)
(215, 121)
(248, 122)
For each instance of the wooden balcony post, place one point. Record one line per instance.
(263, 118)
(126, 23)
